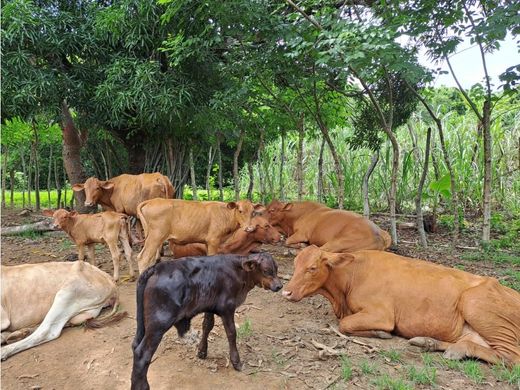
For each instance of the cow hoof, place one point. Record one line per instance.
(453, 354)
(202, 354)
(382, 334)
(427, 343)
(238, 366)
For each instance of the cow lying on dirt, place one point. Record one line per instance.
(52, 294)
(240, 242)
(88, 229)
(374, 293)
(171, 293)
(185, 222)
(332, 230)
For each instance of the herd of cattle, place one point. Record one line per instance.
(341, 256)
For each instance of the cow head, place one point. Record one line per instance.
(276, 211)
(61, 217)
(312, 267)
(94, 189)
(263, 270)
(244, 211)
(264, 231)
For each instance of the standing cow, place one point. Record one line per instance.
(332, 230)
(376, 293)
(185, 222)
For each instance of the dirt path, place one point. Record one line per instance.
(277, 342)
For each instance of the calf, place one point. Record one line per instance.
(374, 293)
(240, 242)
(52, 294)
(88, 229)
(171, 293)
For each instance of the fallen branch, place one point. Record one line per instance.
(352, 340)
(43, 226)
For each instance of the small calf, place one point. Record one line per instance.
(88, 229)
(171, 293)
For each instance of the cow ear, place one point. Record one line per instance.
(107, 185)
(48, 212)
(232, 205)
(72, 214)
(338, 259)
(250, 264)
(287, 207)
(78, 187)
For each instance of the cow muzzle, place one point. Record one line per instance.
(287, 294)
(89, 204)
(250, 229)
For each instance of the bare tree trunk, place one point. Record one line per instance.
(24, 170)
(320, 171)
(260, 173)
(192, 175)
(486, 125)
(49, 173)
(58, 184)
(299, 162)
(219, 152)
(36, 145)
(4, 174)
(393, 185)
(418, 199)
(11, 179)
(251, 180)
(235, 165)
(211, 156)
(282, 168)
(366, 204)
(72, 144)
(65, 188)
(29, 178)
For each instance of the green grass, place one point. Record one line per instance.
(513, 279)
(451, 364)
(424, 375)
(44, 202)
(471, 368)
(346, 368)
(278, 358)
(392, 354)
(245, 330)
(31, 234)
(508, 375)
(368, 368)
(495, 256)
(386, 382)
(428, 359)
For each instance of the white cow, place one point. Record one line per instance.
(49, 296)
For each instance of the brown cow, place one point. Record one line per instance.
(332, 230)
(374, 293)
(240, 242)
(88, 229)
(123, 193)
(184, 222)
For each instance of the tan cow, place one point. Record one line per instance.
(376, 293)
(240, 242)
(123, 193)
(184, 222)
(332, 230)
(48, 296)
(86, 230)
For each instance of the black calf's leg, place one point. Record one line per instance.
(207, 325)
(143, 354)
(229, 325)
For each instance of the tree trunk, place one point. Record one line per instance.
(211, 156)
(72, 145)
(24, 170)
(299, 162)
(235, 165)
(320, 171)
(251, 180)
(393, 185)
(4, 174)
(29, 178)
(135, 150)
(282, 167)
(36, 145)
(220, 187)
(42, 226)
(260, 173)
(192, 175)
(337, 165)
(418, 199)
(58, 185)
(366, 204)
(65, 188)
(486, 127)
(49, 176)
(11, 179)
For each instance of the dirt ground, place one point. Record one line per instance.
(277, 339)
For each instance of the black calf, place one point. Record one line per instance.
(171, 293)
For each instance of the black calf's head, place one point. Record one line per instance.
(263, 270)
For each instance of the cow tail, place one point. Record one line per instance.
(141, 218)
(125, 229)
(141, 285)
(112, 317)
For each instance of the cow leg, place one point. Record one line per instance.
(18, 335)
(228, 320)
(207, 325)
(65, 305)
(81, 252)
(377, 325)
(114, 252)
(212, 247)
(466, 348)
(296, 240)
(151, 247)
(91, 250)
(127, 248)
(5, 322)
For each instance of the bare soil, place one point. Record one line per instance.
(279, 342)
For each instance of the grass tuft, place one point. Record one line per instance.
(472, 370)
(423, 376)
(508, 375)
(367, 368)
(245, 330)
(346, 368)
(392, 354)
(386, 382)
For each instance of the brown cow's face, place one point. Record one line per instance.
(276, 211)
(244, 212)
(62, 217)
(94, 190)
(264, 270)
(265, 232)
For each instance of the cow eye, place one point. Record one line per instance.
(312, 269)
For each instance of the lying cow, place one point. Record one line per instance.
(171, 293)
(240, 242)
(184, 222)
(374, 293)
(332, 230)
(88, 229)
(52, 295)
